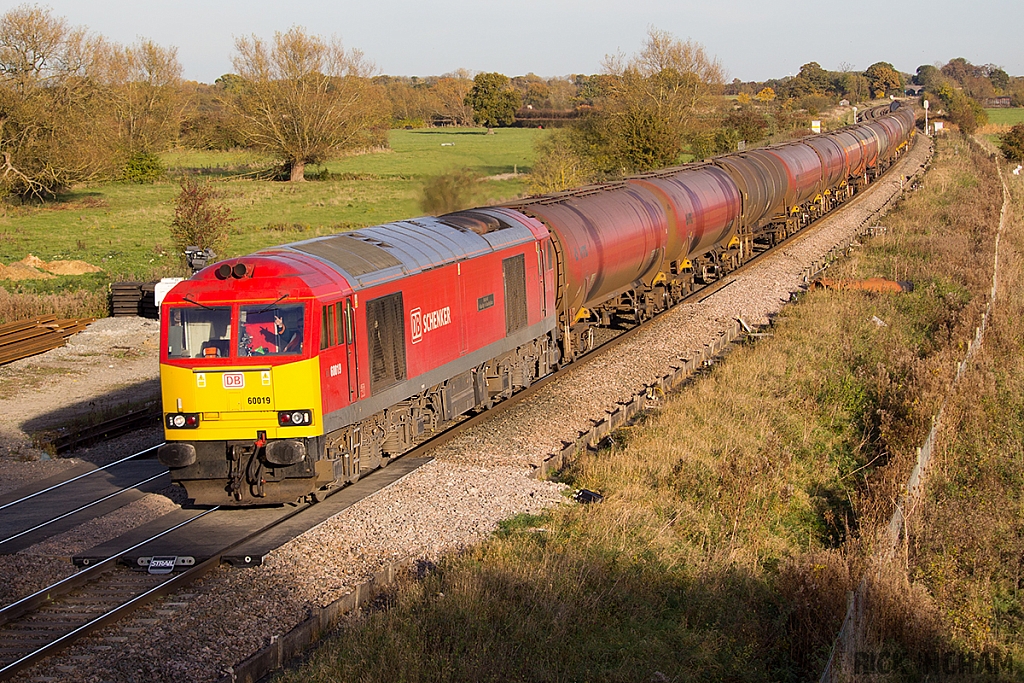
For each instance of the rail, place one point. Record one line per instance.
(26, 338)
(107, 429)
(78, 477)
(51, 594)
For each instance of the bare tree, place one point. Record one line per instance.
(74, 107)
(142, 87)
(46, 107)
(305, 98)
(451, 91)
(652, 101)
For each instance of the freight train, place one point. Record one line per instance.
(299, 368)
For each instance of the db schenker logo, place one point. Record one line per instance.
(421, 322)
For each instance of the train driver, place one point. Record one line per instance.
(287, 340)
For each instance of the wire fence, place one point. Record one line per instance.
(851, 634)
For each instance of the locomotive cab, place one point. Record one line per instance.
(240, 389)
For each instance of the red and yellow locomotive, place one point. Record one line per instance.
(303, 365)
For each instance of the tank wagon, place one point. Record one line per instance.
(298, 368)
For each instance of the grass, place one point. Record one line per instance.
(1000, 121)
(123, 228)
(737, 516)
(1005, 117)
(968, 543)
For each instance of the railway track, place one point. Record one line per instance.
(40, 625)
(147, 416)
(33, 514)
(50, 619)
(105, 591)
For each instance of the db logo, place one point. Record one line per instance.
(421, 323)
(416, 323)
(234, 380)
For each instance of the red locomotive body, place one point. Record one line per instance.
(360, 343)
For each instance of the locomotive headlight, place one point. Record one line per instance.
(294, 418)
(182, 420)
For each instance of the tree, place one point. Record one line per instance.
(649, 104)
(959, 69)
(142, 89)
(883, 79)
(853, 86)
(200, 219)
(451, 91)
(963, 110)
(74, 107)
(561, 165)
(532, 89)
(750, 125)
(1000, 79)
(1012, 143)
(928, 76)
(812, 79)
(306, 99)
(47, 141)
(765, 95)
(493, 100)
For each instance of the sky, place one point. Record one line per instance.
(754, 40)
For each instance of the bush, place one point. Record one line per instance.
(142, 167)
(814, 104)
(199, 218)
(1012, 143)
(448, 192)
(561, 165)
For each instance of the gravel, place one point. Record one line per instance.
(475, 481)
(112, 363)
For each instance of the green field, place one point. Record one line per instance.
(1005, 117)
(124, 228)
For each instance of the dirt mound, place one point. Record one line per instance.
(21, 271)
(70, 267)
(34, 268)
(32, 261)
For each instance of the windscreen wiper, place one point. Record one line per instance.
(193, 301)
(269, 306)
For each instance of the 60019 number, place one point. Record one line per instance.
(259, 400)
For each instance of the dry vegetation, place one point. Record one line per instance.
(77, 304)
(967, 540)
(736, 517)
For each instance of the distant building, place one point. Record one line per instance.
(998, 102)
(844, 103)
